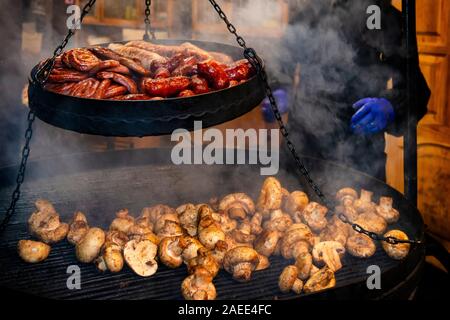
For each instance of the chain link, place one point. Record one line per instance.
(148, 24)
(44, 71)
(21, 174)
(251, 55)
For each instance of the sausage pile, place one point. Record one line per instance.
(141, 70)
(235, 234)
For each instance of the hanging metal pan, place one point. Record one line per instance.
(148, 118)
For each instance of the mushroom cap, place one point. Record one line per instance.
(45, 224)
(297, 232)
(211, 235)
(396, 251)
(117, 238)
(90, 246)
(237, 205)
(270, 197)
(188, 217)
(348, 211)
(123, 221)
(33, 251)
(240, 262)
(263, 264)
(206, 260)
(314, 215)
(190, 247)
(77, 228)
(170, 252)
(170, 229)
(113, 258)
(296, 201)
(279, 221)
(155, 212)
(346, 192)
(140, 257)
(386, 211)
(361, 246)
(160, 223)
(288, 278)
(199, 286)
(266, 243)
(372, 222)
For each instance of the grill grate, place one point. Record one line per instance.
(101, 192)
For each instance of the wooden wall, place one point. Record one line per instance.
(433, 26)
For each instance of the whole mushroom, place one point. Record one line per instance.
(170, 252)
(279, 221)
(297, 239)
(209, 230)
(361, 246)
(386, 211)
(77, 228)
(123, 222)
(45, 224)
(314, 215)
(289, 281)
(237, 206)
(241, 262)
(304, 264)
(270, 197)
(112, 252)
(33, 251)
(88, 249)
(346, 196)
(266, 243)
(372, 222)
(188, 217)
(396, 251)
(204, 259)
(199, 286)
(364, 203)
(296, 202)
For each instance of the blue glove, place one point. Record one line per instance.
(374, 115)
(282, 98)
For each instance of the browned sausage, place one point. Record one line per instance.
(214, 73)
(114, 90)
(82, 59)
(102, 65)
(186, 93)
(120, 79)
(199, 85)
(101, 90)
(85, 88)
(120, 69)
(66, 75)
(133, 97)
(165, 87)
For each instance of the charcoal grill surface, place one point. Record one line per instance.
(100, 184)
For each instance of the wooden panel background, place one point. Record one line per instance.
(433, 26)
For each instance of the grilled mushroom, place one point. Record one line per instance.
(199, 286)
(170, 252)
(386, 211)
(209, 231)
(267, 242)
(190, 247)
(112, 252)
(346, 196)
(237, 206)
(33, 251)
(320, 280)
(45, 224)
(372, 222)
(348, 211)
(297, 239)
(123, 222)
(364, 203)
(304, 265)
(263, 263)
(140, 257)
(361, 246)
(289, 280)
(88, 249)
(204, 259)
(270, 197)
(335, 230)
(188, 216)
(241, 262)
(396, 251)
(279, 221)
(256, 223)
(77, 228)
(329, 253)
(296, 202)
(314, 215)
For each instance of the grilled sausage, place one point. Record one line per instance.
(114, 90)
(66, 75)
(199, 85)
(214, 73)
(81, 59)
(241, 70)
(165, 87)
(101, 90)
(120, 79)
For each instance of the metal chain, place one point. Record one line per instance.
(44, 71)
(148, 24)
(251, 55)
(21, 174)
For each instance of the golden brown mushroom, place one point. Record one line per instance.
(241, 262)
(372, 222)
(263, 263)
(364, 203)
(396, 251)
(237, 206)
(270, 197)
(314, 215)
(386, 211)
(279, 221)
(33, 251)
(123, 222)
(289, 281)
(199, 286)
(88, 249)
(361, 246)
(45, 224)
(320, 280)
(304, 265)
(348, 211)
(297, 239)
(188, 217)
(266, 243)
(296, 202)
(112, 252)
(205, 260)
(346, 196)
(170, 252)
(329, 253)
(209, 230)
(77, 228)
(335, 230)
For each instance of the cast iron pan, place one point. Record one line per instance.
(101, 183)
(148, 118)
